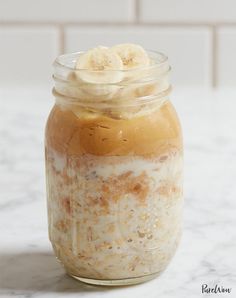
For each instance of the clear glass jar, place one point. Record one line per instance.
(114, 163)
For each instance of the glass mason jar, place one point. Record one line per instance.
(114, 163)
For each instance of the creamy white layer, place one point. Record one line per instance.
(114, 217)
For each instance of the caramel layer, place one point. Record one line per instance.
(149, 135)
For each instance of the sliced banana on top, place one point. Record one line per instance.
(132, 55)
(134, 58)
(99, 70)
(95, 66)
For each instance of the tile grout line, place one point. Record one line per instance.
(138, 24)
(61, 39)
(137, 11)
(214, 63)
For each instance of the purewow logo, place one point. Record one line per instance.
(215, 290)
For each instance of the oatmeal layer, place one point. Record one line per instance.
(114, 217)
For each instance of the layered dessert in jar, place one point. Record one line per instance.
(114, 163)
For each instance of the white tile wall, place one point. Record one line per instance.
(198, 35)
(27, 54)
(67, 10)
(209, 11)
(190, 65)
(227, 56)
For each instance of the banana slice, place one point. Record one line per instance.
(134, 58)
(99, 66)
(79, 89)
(72, 89)
(132, 55)
(85, 114)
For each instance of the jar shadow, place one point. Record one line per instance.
(39, 271)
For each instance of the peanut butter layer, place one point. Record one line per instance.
(149, 135)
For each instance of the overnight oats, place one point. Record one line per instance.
(114, 163)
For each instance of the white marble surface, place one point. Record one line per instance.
(207, 253)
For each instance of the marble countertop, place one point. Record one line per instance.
(207, 252)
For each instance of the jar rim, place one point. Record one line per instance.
(70, 82)
(67, 61)
(141, 100)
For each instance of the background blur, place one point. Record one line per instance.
(199, 36)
